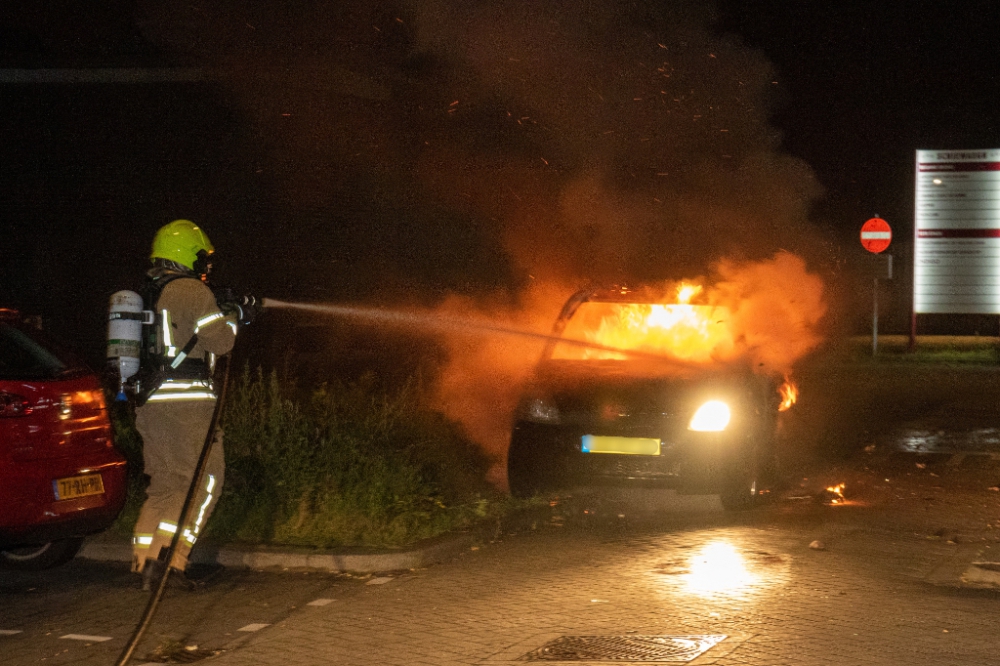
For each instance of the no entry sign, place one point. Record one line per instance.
(876, 235)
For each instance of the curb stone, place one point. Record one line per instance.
(982, 574)
(983, 571)
(300, 559)
(111, 548)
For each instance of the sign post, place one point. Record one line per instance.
(876, 234)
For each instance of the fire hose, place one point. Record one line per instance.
(186, 511)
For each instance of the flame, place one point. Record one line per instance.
(686, 291)
(837, 493)
(692, 333)
(789, 395)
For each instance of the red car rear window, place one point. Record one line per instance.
(30, 355)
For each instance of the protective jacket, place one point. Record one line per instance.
(190, 331)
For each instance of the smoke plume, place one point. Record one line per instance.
(505, 153)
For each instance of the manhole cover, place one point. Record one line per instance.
(625, 648)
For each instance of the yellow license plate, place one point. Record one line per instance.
(78, 486)
(639, 446)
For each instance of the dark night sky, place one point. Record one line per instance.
(867, 83)
(326, 159)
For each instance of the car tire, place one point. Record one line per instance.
(42, 556)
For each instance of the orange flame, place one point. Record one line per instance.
(686, 291)
(789, 395)
(837, 493)
(693, 333)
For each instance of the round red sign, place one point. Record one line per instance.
(876, 235)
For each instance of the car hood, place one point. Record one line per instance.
(614, 387)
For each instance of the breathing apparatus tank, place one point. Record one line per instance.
(125, 320)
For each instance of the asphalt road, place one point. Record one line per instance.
(883, 578)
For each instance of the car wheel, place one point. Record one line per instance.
(42, 556)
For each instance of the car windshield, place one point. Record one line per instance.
(30, 356)
(685, 332)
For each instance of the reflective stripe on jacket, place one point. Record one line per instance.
(187, 307)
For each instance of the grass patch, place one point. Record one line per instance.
(338, 466)
(930, 349)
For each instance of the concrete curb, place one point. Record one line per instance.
(982, 574)
(971, 565)
(300, 559)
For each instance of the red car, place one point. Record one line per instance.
(61, 477)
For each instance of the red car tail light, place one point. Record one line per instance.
(91, 399)
(12, 404)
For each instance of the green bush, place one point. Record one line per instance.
(129, 442)
(343, 465)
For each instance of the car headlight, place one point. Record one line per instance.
(713, 416)
(540, 410)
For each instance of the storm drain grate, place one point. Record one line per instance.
(625, 648)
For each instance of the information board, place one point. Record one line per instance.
(957, 232)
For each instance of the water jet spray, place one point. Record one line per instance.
(439, 323)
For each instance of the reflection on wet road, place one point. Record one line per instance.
(720, 569)
(968, 421)
(922, 440)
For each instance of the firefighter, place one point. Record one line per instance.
(176, 395)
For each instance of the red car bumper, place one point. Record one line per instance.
(60, 474)
(33, 514)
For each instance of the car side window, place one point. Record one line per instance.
(21, 357)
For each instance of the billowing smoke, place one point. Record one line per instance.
(635, 142)
(545, 145)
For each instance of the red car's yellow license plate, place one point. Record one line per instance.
(78, 486)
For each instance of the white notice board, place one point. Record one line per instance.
(956, 266)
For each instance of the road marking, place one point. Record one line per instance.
(253, 627)
(9, 632)
(319, 602)
(85, 637)
(382, 580)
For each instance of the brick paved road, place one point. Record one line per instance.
(884, 590)
(862, 600)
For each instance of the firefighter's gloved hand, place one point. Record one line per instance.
(250, 307)
(246, 308)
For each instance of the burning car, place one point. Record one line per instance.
(635, 391)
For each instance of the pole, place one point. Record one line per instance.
(875, 317)
(199, 470)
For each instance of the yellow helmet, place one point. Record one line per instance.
(181, 241)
